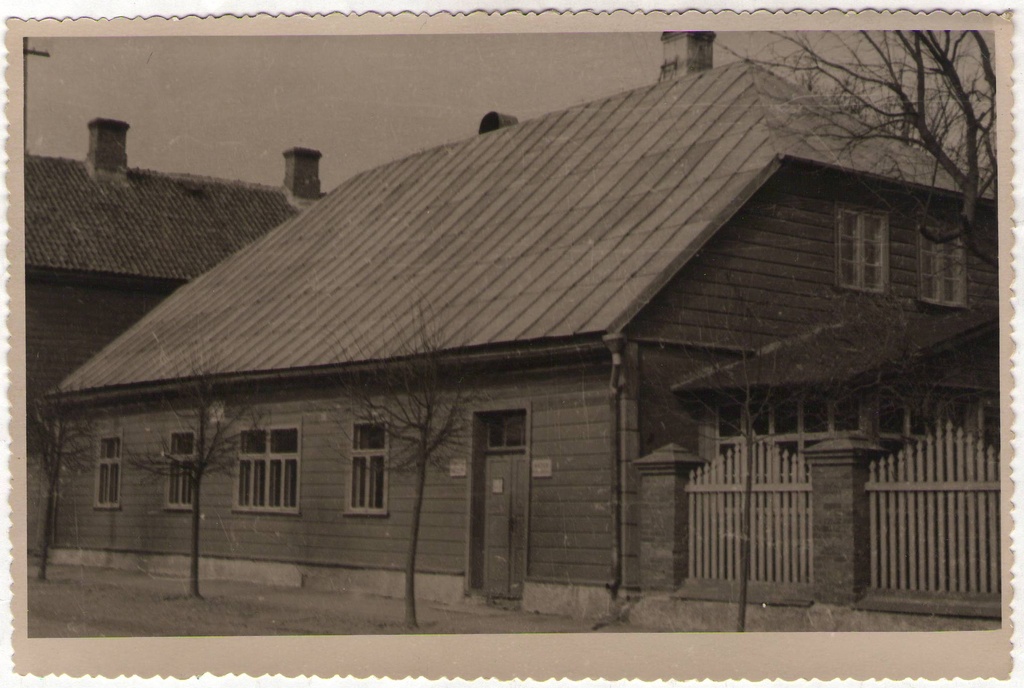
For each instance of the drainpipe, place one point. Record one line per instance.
(616, 343)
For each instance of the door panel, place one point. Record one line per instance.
(507, 493)
(497, 525)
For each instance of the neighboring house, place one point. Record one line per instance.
(590, 270)
(105, 243)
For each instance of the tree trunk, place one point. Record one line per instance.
(51, 505)
(748, 489)
(414, 537)
(193, 573)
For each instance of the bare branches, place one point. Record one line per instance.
(930, 95)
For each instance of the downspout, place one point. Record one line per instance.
(615, 343)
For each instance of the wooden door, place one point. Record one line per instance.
(507, 488)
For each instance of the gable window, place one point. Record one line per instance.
(942, 270)
(108, 474)
(368, 488)
(179, 486)
(268, 470)
(862, 249)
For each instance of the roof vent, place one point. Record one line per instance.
(493, 121)
(108, 152)
(691, 51)
(302, 173)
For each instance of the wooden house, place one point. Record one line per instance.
(588, 270)
(105, 243)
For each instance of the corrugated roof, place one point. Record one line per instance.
(151, 224)
(559, 226)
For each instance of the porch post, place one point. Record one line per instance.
(664, 524)
(840, 534)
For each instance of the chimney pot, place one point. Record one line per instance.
(689, 50)
(108, 152)
(302, 173)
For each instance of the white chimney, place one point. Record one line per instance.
(686, 52)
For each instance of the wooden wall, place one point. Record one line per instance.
(569, 518)
(68, 321)
(771, 270)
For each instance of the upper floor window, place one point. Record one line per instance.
(108, 473)
(942, 267)
(268, 470)
(179, 484)
(862, 249)
(368, 494)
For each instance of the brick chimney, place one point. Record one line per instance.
(686, 52)
(302, 173)
(108, 154)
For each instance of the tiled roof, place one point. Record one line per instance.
(152, 224)
(559, 226)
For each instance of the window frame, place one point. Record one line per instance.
(108, 461)
(859, 262)
(800, 438)
(368, 454)
(926, 248)
(267, 457)
(173, 476)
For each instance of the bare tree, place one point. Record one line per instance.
(419, 401)
(205, 442)
(60, 439)
(932, 93)
(857, 345)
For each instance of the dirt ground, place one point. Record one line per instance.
(90, 602)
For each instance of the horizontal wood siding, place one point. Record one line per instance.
(569, 517)
(771, 269)
(66, 324)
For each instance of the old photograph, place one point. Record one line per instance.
(608, 332)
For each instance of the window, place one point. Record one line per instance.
(790, 423)
(862, 255)
(268, 470)
(942, 268)
(179, 486)
(506, 430)
(369, 493)
(108, 474)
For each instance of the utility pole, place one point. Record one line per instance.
(26, 53)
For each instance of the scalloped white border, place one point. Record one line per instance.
(180, 8)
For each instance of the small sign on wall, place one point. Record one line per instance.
(541, 468)
(457, 468)
(498, 486)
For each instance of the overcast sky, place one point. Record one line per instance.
(228, 107)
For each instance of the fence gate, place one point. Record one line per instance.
(935, 516)
(780, 516)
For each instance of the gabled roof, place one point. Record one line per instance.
(149, 225)
(560, 226)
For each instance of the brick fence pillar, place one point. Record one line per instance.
(841, 555)
(664, 526)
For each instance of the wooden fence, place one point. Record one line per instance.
(934, 516)
(780, 516)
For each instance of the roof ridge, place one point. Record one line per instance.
(174, 176)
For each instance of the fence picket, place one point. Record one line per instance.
(933, 510)
(780, 519)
